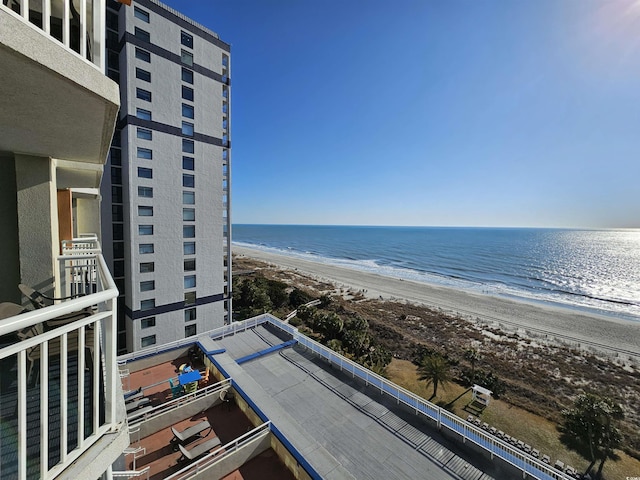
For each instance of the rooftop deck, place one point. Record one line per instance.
(352, 431)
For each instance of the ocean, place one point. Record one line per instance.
(596, 271)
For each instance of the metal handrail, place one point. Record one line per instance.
(521, 460)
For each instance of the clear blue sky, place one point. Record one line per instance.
(424, 112)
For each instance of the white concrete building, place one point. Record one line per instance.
(166, 205)
(61, 404)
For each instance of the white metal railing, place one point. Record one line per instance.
(526, 463)
(86, 243)
(222, 452)
(79, 25)
(82, 330)
(136, 418)
(144, 473)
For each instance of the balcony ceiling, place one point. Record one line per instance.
(52, 103)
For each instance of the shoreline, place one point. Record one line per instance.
(601, 332)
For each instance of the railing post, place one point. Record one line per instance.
(111, 362)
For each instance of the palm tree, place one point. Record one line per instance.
(592, 426)
(435, 369)
(472, 356)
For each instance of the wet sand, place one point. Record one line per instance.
(589, 330)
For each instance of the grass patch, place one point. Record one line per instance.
(532, 429)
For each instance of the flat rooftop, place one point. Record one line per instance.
(342, 427)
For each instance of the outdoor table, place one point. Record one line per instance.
(189, 377)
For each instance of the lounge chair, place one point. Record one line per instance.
(199, 450)
(190, 432)
(136, 404)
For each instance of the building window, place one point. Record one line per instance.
(188, 231)
(187, 75)
(143, 75)
(190, 330)
(189, 248)
(190, 314)
(186, 39)
(189, 214)
(145, 172)
(145, 153)
(118, 231)
(188, 146)
(189, 264)
(145, 211)
(118, 250)
(142, 35)
(187, 93)
(145, 248)
(189, 198)
(148, 322)
(147, 267)
(148, 341)
(187, 111)
(117, 213)
(187, 129)
(188, 163)
(225, 60)
(143, 55)
(147, 285)
(118, 269)
(186, 58)
(141, 14)
(148, 304)
(146, 192)
(116, 194)
(188, 180)
(116, 175)
(190, 281)
(189, 298)
(143, 114)
(115, 156)
(144, 133)
(143, 94)
(145, 229)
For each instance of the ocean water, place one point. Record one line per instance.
(592, 270)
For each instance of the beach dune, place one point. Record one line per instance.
(599, 332)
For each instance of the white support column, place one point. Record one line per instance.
(64, 417)
(25, 9)
(83, 28)
(96, 377)
(46, 16)
(22, 415)
(44, 409)
(65, 24)
(111, 362)
(81, 387)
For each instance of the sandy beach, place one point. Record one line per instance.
(592, 331)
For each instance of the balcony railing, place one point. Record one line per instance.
(77, 24)
(58, 388)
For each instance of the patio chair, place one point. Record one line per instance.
(176, 390)
(54, 345)
(190, 432)
(39, 299)
(191, 387)
(198, 450)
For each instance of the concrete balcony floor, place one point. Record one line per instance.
(227, 421)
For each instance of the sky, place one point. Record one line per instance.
(432, 112)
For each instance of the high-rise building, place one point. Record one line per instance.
(166, 206)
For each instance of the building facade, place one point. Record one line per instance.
(166, 196)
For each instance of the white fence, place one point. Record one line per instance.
(80, 402)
